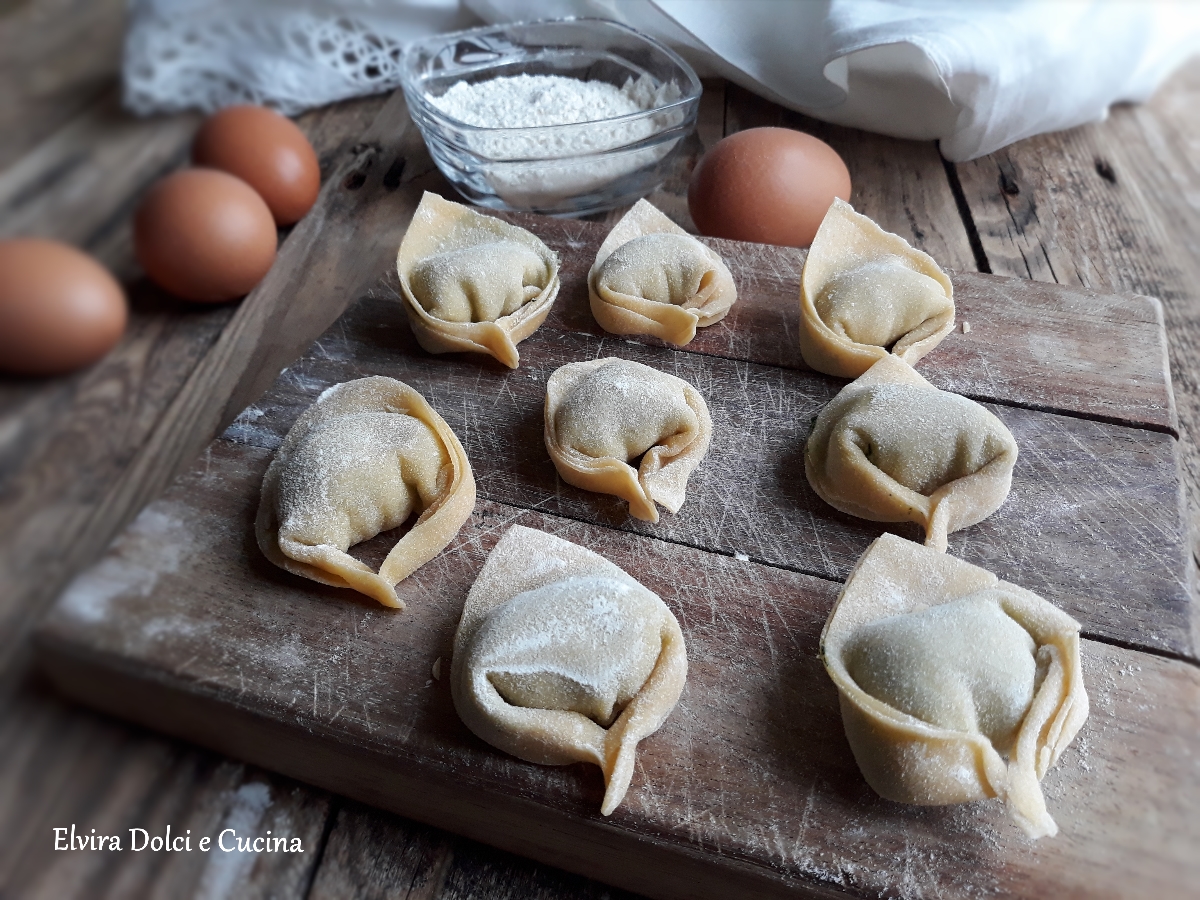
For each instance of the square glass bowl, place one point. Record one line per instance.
(565, 170)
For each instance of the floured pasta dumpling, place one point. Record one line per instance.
(605, 414)
(890, 447)
(652, 277)
(472, 282)
(954, 685)
(360, 461)
(561, 657)
(865, 293)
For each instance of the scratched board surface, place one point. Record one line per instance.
(750, 786)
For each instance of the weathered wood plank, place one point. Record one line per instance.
(373, 855)
(1093, 522)
(1111, 207)
(82, 183)
(1064, 349)
(749, 787)
(182, 372)
(68, 766)
(56, 57)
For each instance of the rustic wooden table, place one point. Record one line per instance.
(1112, 206)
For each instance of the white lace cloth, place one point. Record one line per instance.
(292, 56)
(976, 76)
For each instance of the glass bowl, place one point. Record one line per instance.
(566, 170)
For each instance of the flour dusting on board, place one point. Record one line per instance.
(154, 545)
(246, 430)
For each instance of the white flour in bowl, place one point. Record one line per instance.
(524, 101)
(539, 101)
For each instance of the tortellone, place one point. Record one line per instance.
(865, 293)
(954, 685)
(360, 461)
(890, 447)
(472, 282)
(561, 657)
(652, 277)
(603, 414)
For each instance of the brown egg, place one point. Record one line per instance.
(60, 310)
(204, 235)
(268, 152)
(768, 185)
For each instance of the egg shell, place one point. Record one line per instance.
(268, 152)
(767, 185)
(204, 235)
(60, 310)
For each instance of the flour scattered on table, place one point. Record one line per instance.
(153, 546)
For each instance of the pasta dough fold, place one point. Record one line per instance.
(561, 657)
(890, 447)
(954, 685)
(652, 277)
(604, 414)
(473, 282)
(865, 293)
(360, 461)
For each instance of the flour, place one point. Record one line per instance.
(524, 101)
(519, 169)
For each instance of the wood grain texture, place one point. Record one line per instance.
(135, 780)
(56, 57)
(374, 855)
(1111, 207)
(126, 426)
(1093, 523)
(748, 788)
(82, 183)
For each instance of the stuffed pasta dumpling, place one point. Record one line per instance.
(561, 657)
(652, 277)
(865, 293)
(473, 282)
(890, 447)
(360, 461)
(954, 685)
(606, 414)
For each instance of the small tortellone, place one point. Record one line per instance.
(602, 415)
(561, 657)
(360, 461)
(652, 277)
(890, 447)
(472, 282)
(865, 293)
(954, 685)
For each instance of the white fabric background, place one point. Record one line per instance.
(975, 75)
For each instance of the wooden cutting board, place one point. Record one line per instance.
(750, 787)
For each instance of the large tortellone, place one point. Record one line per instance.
(954, 685)
(561, 657)
(472, 282)
(604, 414)
(360, 461)
(652, 277)
(890, 447)
(865, 293)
